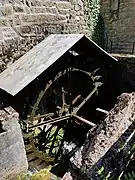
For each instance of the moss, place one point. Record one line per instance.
(43, 174)
(24, 176)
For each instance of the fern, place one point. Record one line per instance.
(130, 176)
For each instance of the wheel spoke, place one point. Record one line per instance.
(85, 100)
(76, 99)
(63, 96)
(83, 120)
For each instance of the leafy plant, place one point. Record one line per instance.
(93, 7)
(128, 172)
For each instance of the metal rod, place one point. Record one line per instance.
(50, 121)
(85, 100)
(83, 120)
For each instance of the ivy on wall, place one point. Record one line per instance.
(98, 33)
(95, 21)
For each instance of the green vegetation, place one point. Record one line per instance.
(43, 174)
(95, 22)
(93, 7)
(98, 34)
(126, 170)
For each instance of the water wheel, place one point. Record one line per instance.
(55, 120)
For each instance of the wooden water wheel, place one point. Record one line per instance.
(55, 118)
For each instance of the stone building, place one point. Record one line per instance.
(24, 23)
(119, 25)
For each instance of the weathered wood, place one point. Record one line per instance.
(38, 59)
(85, 100)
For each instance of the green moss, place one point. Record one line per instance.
(43, 174)
(24, 176)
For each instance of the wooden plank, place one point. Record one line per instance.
(37, 60)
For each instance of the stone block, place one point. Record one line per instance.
(64, 11)
(52, 10)
(43, 18)
(17, 19)
(12, 151)
(8, 32)
(77, 7)
(16, 2)
(27, 10)
(36, 2)
(25, 29)
(74, 2)
(7, 10)
(48, 3)
(38, 9)
(29, 18)
(63, 5)
(18, 8)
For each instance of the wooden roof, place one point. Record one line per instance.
(37, 60)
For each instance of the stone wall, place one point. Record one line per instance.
(128, 64)
(119, 18)
(24, 23)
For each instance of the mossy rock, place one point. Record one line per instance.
(43, 174)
